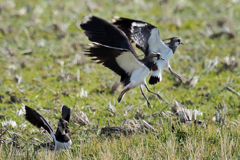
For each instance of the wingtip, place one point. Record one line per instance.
(66, 112)
(64, 107)
(27, 109)
(86, 19)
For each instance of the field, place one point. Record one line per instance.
(43, 66)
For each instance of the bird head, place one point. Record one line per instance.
(175, 41)
(63, 126)
(155, 56)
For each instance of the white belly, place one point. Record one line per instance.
(60, 145)
(139, 77)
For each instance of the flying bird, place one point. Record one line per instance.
(60, 138)
(112, 48)
(147, 38)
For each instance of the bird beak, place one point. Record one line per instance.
(162, 58)
(181, 43)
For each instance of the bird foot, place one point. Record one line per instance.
(119, 99)
(149, 105)
(160, 97)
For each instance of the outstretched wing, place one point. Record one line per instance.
(38, 120)
(147, 38)
(111, 47)
(66, 113)
(138, 31)
(100, 31)
(121, 62)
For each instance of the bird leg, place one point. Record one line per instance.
(175, 74)
(160, 97)
(122, 94)
(148, 103)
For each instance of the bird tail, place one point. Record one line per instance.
(156, 76)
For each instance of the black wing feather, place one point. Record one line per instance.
(66, 113)
(102, 32)
(35, 118)
(137, 31)
(107, 57)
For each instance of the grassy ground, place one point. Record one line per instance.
(43, 66)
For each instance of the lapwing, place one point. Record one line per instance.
(60, 138)
(112, 48)
(147, 38)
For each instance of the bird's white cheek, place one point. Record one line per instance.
(63, 132)
(155, 59)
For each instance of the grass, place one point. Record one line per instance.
(39, 43)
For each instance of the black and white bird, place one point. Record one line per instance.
(60, 138)
(112, 48)
(147, 38)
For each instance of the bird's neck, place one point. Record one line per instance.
(173, 47)
(61, 136)
(148, 63)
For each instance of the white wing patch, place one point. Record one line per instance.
(155, 42)
(137, 24)
(128, 62)
(157, 45)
